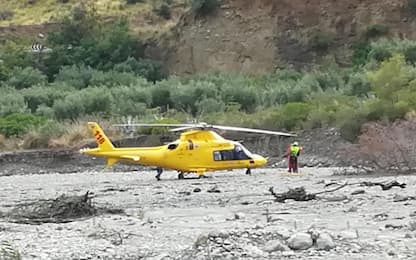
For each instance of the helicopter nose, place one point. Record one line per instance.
(260, 160)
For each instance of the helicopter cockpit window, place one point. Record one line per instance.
(172, 146)
(217, 156)
(238, 153)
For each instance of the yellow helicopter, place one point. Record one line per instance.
(198, 150)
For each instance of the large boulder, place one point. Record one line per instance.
(325, 242)
(275, 245)
(300, 241)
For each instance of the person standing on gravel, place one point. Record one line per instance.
(292, 154)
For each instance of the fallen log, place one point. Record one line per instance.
(300, 194)
(384, 186)
(387, 185)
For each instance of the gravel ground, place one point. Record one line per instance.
(228, 216)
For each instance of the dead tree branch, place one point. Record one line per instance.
(300, 194)
(384, 186)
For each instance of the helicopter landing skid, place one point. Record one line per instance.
(181, 176)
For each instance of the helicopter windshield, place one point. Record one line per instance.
(242, 151)
(238, 153)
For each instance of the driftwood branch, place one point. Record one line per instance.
(332, 190)
(384, 186)
(300, 194)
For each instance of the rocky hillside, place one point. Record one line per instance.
(254, 36)
(261, 35)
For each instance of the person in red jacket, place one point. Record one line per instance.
(292, 154)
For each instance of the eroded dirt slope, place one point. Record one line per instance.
(258, 36)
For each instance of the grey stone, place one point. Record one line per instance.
(348, 234)
(275, 245)
(253, 250)
(288, 253)
(325, 242)
(300, 241)
(239, 215)
(201, 241)
(356, 192)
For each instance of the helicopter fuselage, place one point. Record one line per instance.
(196, 151)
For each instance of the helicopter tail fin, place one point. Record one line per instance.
(104, 143)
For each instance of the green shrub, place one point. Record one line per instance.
(361, 51)
(78, 77)
(331, 78)
(134, 1)
(134, 93)
(161, 97)
(68, 108)
(318, 118)
(4, 73)
(380, 54)
(45, 111)
(410, 55)
(209, 105)
(12, 102)
(185, 97)
(376, 30)
(85, 102)
(289, 116)
(205, 7)
(351, 123)
(84, 38)
(411, 4)
(27, 77)
(40, 136)
(129, 65)
(359, 85)
(148, 69)
(96, 101)
(383, 49)
(14, 54)
(6, 15)
(163, 11)
(292, 115)
(81, 24)
(284, 74)
(131, 100)
(381, 110)
(320, 41)
(129, 108)
(113, 78)
(155, 130)
(18, 124)
(392, 76)
(41, 95)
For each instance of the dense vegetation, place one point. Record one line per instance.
(97, 70)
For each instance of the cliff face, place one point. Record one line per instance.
(258, 36)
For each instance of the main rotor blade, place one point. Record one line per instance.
(251, 130)
(159, 125)
(179, 129)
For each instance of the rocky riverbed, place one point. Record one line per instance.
(228, 216)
